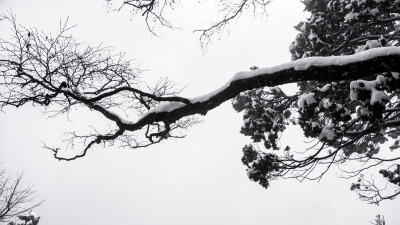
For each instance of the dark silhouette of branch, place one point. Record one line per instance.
(16, 199)
(57, 71)
(153, 13)
(151, 10)
(379, 220)
(231, 12)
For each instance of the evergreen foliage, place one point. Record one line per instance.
(348, 119)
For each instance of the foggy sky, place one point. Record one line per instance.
(196, 180)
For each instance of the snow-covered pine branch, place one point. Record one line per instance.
(348, 103)
(334, 68)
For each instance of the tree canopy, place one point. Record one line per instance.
(349, 118)
(345, 59)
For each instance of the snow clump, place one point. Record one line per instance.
(306, 100)
(361, 89)
(327, 133)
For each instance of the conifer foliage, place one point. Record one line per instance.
(348, 119)
(345, 59)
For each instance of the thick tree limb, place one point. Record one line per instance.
(96, 79)
(332, 68)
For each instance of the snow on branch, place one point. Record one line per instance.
(332, 68)
(58, 72)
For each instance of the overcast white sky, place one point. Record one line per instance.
(196, 180)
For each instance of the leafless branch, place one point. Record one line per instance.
(15, 198)
(153, 12)
(58, 72)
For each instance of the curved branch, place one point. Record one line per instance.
(137, 91)
(331, 68)
(100, 81)
(97, 140)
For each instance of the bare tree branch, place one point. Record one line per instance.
(153, 12)
(231, 11)
(57, 71)
(15, 198)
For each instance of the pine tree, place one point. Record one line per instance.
(350, 119)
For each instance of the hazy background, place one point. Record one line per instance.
(196, 180)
